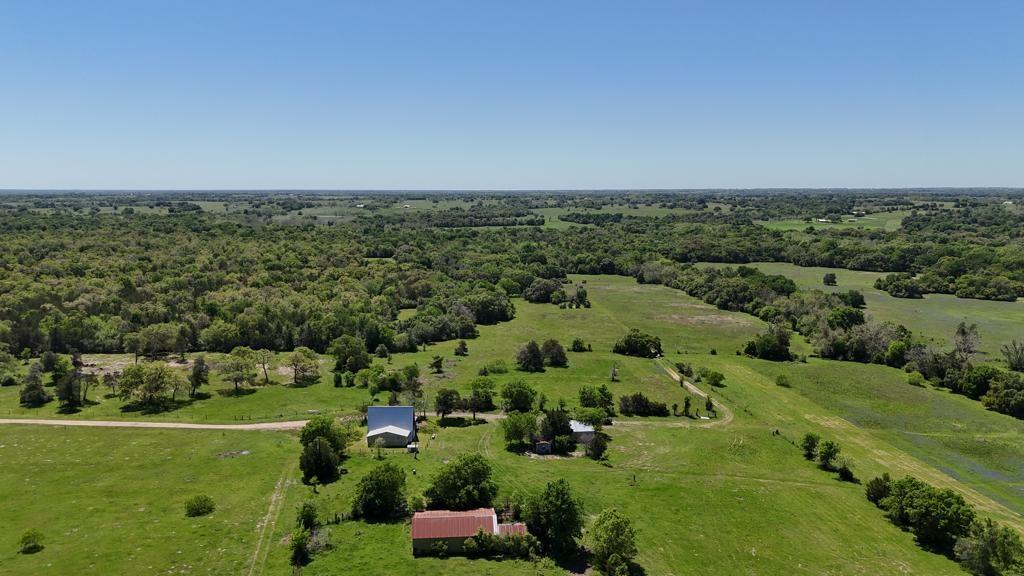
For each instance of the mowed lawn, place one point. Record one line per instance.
(111, 501)
(934, 317)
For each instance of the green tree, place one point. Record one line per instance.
(305, 365)
(990, 549)
(263, 358)
(33, 394)
(239, 368)
(349, 354)
(612, 536)
(437, 364)
(809, 444)
(462, 349)
(828, 451)
(554, 354)
(380, 493)
(463, 484)
(319, 462)
(446, 401)
(481, 396)
(530, 358)
(518, 396)
(199, 375)
(327, 428)
(556, 517)
(519, 428)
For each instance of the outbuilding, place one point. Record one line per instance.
(448, 529)
(581, 433)
(395, 425)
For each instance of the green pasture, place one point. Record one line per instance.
(934, 317)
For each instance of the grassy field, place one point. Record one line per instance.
(728, 497)
(277, 401)
(111, 501)
(934, 317)
(882, 220)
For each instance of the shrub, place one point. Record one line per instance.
(494, 367)
(199, 505)
(809, 444)
(30, 542)
(306, 515)
(828, 451)
(782, 380)
(878, 488)
(637, 343)
(915, 378)
(300, 554)
(564, 444)
(417, 503)
(578, 345)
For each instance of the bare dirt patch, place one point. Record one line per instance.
(705, 319)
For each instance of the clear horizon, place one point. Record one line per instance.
(462, 96)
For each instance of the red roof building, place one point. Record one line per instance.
(451, 528)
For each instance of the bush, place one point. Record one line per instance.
(809, 444)
(300, 554)
(306, 515)
(199, 505)
(30, 542)
(563, 445)
(878, 488)
(782, 380)
(637, 343)
(494, 367)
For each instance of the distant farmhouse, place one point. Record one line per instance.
(395, 425)
(451, 528)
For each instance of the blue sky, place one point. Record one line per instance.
(386, 94)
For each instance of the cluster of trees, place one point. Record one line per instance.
(639, 405)
(480, 399)
(637, 343)
(827, 454)
(943, 521)
(532, 357)
(955, 369)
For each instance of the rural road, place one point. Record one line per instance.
(726, 413)
(289, 425)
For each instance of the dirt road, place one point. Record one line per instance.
(289, 425)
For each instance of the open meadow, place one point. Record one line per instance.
(933, 317)
(702, 494)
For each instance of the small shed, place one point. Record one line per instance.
(395, 425)
(542, 447)
(582, 433)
